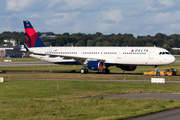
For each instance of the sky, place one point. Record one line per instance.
(137, 17)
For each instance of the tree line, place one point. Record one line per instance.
(99, 39)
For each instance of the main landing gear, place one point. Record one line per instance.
(84, 70)
(106, 71)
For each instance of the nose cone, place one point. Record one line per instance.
(171, 59)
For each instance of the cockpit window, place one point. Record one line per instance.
(163, 53)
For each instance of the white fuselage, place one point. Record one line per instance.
(112, 55)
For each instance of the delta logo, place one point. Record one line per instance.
(139, 50)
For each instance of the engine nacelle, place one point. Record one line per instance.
(95, 65)
(128, 68)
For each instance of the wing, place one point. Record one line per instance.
(80, 59)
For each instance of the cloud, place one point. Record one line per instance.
(152, 8)
(67, 4)
(174, 26)
(63, 19)
(149, 28)
(164, 18)
(34, 16)
(53, 3)
(167, 3)
(6, 28)
(17, 5)
(139, 17)
(112, 15)
(74, 4)
(109, 21)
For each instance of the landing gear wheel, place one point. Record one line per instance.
(105, 71)
(83, 70)
(174, 74)
(86, 70)
(158, 73)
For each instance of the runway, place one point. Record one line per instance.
(24, 63)
(170, 96)
(177, 61)
(173, 114)
(32, 63)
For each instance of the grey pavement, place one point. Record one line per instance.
(24, 63)
(173, 114)
(170, 96)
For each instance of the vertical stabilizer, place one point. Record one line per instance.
(32, 37)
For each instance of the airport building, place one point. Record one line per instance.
(9, 44)
(4, 52)
(10, 41)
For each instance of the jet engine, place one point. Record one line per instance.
(95, 65)
(128, 68)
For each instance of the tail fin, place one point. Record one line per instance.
(32, 37)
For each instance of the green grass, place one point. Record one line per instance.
(177, 57)
(39, 99)
(76, 89)
(25, 99)
(81, 109)
(66, 72)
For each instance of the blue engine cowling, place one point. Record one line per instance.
(95, 65)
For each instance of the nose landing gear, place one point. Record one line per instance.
(157, 72)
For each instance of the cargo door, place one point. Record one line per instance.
(119, 55)
(151, 54)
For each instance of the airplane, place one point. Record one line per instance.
(175, 48)
(96, 58)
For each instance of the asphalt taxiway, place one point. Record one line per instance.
(24, 63)
(32, 63)
(173, 114)
(170, 96)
